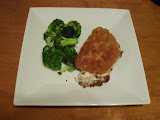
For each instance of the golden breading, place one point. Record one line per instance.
(99, 52)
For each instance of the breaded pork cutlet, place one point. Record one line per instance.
(97, 56)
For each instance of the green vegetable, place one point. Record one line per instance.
(61, 42)
(69, 55)
(69, 41)
(68, 31)
(57, 42)
(48, 38)
(54, 29)
(52, 57)
(77, 28)
(69, 67)
(60, 39)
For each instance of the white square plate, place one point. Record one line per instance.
(39, 86)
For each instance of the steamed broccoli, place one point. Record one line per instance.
(54, 29)
(69, 41)
(60, 39)
(57, 42)
(77, 28)
(68, 31)
(69, 67)
(69, 55)
(61, 42)
(52, 58)
(48, 38)
(56, 26)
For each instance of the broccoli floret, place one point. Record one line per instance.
(68, 31)
(77, 28)
(60, 39)
(69, 55)
(57, 42)
(48, 38)
(55, 27)
(46, 48)
(69, 67)
(52, 58)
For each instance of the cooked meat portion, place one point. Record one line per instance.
(99, 52)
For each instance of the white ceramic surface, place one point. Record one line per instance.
(39, 86)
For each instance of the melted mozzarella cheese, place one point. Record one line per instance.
(87, 78)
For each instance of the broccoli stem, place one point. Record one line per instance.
(69, 41)
(64, 69)
(49, 41)
(69, 68)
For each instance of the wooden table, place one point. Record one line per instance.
(13, 16)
